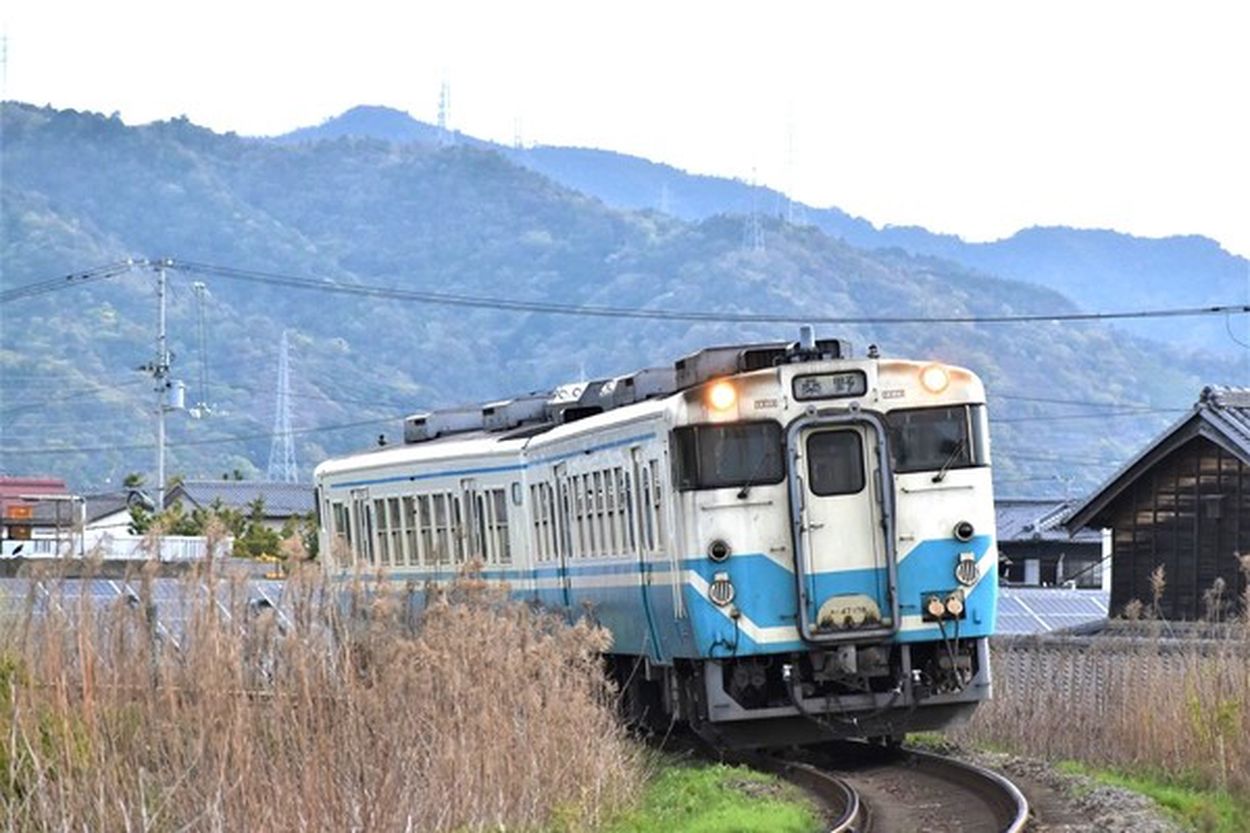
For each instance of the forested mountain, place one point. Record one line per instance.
(1092, 267)
(81, 190)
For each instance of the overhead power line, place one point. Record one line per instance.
(185, 443)
(1100, 415)
(590, 310)
(1051, 400)
(69, 281)
(485, 302)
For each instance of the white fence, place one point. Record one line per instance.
(118, 547)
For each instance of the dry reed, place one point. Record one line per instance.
(341, 712)
(1165, 699)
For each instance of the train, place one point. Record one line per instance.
(787, 543)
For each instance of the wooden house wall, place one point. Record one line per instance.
(1190, 513)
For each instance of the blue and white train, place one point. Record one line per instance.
(787, 544)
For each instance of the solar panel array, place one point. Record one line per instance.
(1035, 610)
(172, 597)
(1021, 610)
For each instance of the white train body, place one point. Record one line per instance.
(781, 554)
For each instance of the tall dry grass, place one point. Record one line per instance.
(1164, 697)
(333, 715)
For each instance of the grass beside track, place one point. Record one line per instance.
(1203, 810)
(694, 797)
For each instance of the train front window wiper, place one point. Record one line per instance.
(950, 460)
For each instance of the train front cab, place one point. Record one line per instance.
(894, 578)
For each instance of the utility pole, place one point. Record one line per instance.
(160, 372)
(169, 393)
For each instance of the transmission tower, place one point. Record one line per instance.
(201, 408)
(753, 232)
(282, 447)
(444, 112)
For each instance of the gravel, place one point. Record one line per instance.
(1067, 803)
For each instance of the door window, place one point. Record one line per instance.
(835, 463)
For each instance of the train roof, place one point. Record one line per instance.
(484, 444)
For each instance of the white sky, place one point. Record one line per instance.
(977, 118)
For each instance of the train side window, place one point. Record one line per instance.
(612, 496)
(441, 533)
(564, 530)
(407, 520)
(397, 531)
(459, 531)
(482, 549)
(501, 544)
(425, 529)
(383, 539)
(597, 513)
(657, 496)
(628, 499)
(835, 463)
(536, 522)
(340, 540)
(647, 513)
(588, 514)
(367, 543)
(548, 494)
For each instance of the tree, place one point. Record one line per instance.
(134, 480)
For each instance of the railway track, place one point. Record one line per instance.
(871, 789)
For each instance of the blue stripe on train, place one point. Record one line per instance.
(765, 595)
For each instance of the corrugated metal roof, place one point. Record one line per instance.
(1036, 519)
(1221, 415)
(281, 499)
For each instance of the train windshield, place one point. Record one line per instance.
(935, 439)
(730, 455)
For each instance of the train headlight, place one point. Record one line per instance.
(934, 378)
(718, 550)
(721, 590)
(722, 396)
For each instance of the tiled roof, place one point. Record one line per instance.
(107, 503)
(1221, 415)
(281, 499)
(1036, 519)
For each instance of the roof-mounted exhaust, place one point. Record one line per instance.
(430, 424)
(640, 385)
(511, 413)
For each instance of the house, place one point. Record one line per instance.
(1182, 504)
(39, 516)
(1035, 550)
(282, 501)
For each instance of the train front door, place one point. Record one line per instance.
(840, 507)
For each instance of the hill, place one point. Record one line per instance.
(1090, 266)
(81, 189)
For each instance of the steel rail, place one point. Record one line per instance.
(1004, 797)
(850, 814)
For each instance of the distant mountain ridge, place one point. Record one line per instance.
(1099, 269)
(82, 189)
